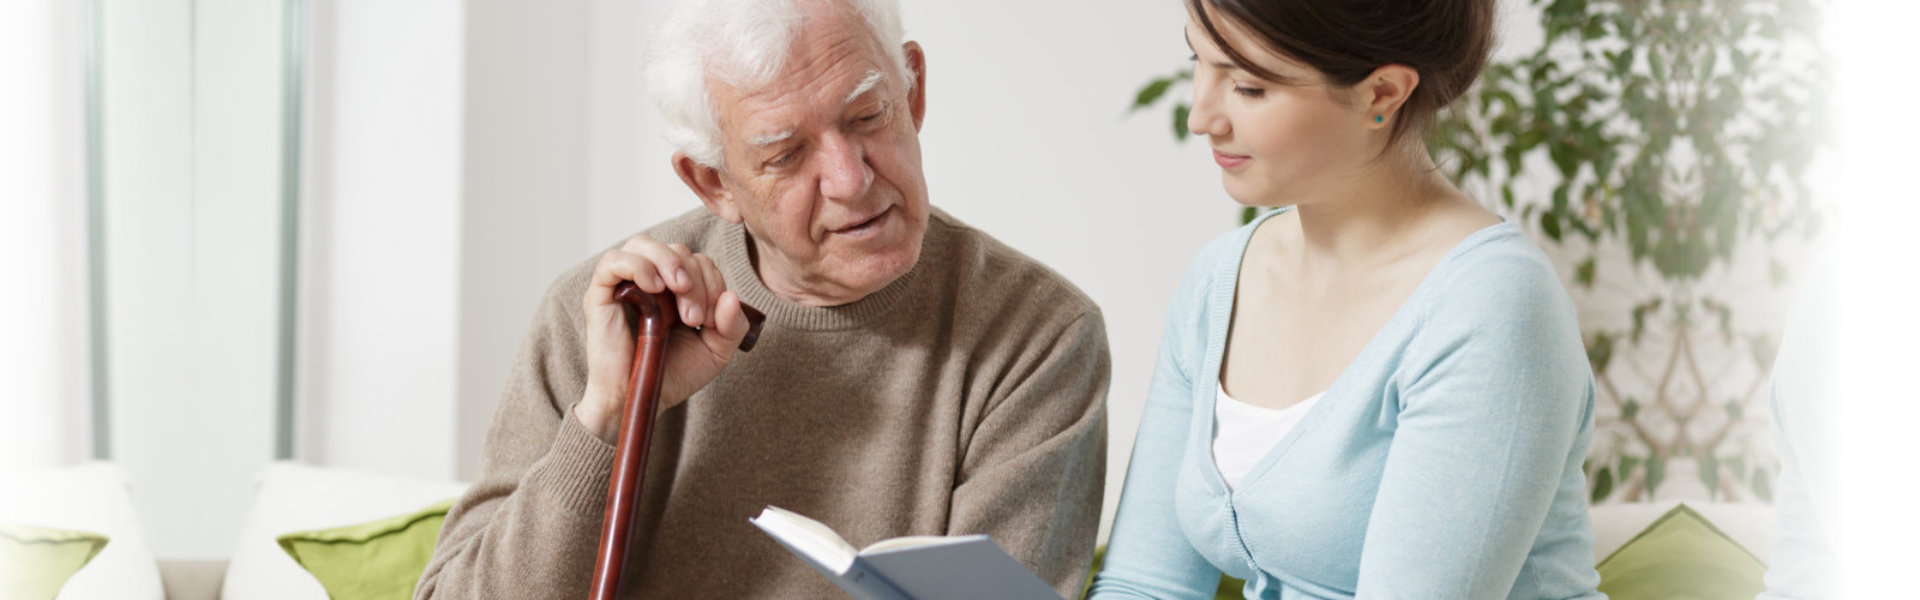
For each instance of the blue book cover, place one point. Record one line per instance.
(907, 568)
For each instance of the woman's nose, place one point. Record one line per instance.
(1205, 117)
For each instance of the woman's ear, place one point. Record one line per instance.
(706, 183)
(1385, 91)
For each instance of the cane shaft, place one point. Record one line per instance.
(656, 319)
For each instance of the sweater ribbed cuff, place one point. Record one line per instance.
(577, 469)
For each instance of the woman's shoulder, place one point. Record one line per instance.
(1221, 255)
(1190, 311)
(1499, 256)
(1498, 279)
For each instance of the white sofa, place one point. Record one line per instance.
(292, 497)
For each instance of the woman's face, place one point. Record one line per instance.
(1276, 143)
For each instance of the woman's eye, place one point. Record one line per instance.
(1250, 92)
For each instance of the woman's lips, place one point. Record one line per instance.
(1230, 161)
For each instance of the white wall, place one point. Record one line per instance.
(43, 352)
(380, 279)
(525, 167)
(447, 188)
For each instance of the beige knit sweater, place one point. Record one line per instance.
(966, 397)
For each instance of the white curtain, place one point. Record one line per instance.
(44, 399)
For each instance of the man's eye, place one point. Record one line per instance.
(869, 118)
(783, 159)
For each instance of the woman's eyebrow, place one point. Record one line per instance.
(1217, 64)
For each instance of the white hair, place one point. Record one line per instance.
(743, 43)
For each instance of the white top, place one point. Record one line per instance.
(1243, 433)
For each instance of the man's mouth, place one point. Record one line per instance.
(863, 227)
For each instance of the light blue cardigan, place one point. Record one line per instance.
(1445, 462)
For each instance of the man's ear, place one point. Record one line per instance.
(1385, 91)
(706, 183)
(917, 66)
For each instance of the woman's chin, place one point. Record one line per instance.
(1244, 195)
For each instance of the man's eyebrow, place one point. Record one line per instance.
(769, 139)
(866, 85)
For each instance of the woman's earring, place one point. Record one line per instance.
(1379, 118)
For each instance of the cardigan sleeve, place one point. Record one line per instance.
(1148, 555)
(1493, 396)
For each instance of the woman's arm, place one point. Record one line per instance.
(1148, 556)
(1497, 393)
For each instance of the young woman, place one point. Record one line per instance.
(1378, 390)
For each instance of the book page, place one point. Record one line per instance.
(912, 541)
(807, 536)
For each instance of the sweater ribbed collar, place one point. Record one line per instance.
(737, 266)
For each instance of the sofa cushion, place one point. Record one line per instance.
(1681, 556)
(35, 562)
(292, 497)
(378, 559)
(92, 497)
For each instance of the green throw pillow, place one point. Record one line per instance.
(35, 562)
(373, 560)
(1681, 556)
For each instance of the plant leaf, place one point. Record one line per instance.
(1151, 93)
(1656, 473)
(1710, 474)
(1762, 485)
(1180, 112)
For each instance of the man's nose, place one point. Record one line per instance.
(844, 174)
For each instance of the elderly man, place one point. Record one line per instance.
(915, 376)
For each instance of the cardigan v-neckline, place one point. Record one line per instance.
(1226, 285)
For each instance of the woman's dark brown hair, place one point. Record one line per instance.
(1446, 41)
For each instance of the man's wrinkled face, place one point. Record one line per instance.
(823, 166)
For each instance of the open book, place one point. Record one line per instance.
(907, 568)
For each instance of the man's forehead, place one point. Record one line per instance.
(772, 122)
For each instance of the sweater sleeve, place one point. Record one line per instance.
(530, 525)
(1034, 470)
(1148, 556)
(1494, 393)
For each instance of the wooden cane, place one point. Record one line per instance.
(656, 320)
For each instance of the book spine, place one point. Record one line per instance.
(865, 583)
